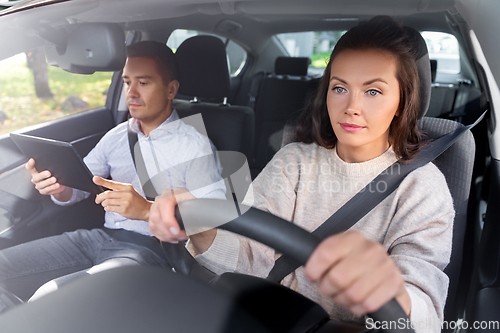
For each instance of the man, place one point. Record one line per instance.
(169, 148)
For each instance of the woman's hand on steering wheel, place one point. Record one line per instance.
(162, 221)
(357, 273)
(164, 225)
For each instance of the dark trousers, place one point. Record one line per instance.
(26, 267)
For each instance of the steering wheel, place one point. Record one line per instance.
(285, 237)
(150, 299)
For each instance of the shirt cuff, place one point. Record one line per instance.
(420, 318)
(222, 255)
(212, 191)
(77, 196)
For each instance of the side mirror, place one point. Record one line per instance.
(85, 48)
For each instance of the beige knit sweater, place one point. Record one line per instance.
(306, 184)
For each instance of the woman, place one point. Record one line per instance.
(361, 121)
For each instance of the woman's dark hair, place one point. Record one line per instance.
(384, 34)
(160, 53)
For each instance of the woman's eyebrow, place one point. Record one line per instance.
(375, 80)
(338, 79)
(365, 84)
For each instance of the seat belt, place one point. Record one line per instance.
(140, 166)
(365, 200)
(187, 264)
(461, 98)
(254, 89)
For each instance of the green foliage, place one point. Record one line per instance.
(320, 60)
(19, 102)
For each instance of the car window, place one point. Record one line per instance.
(32, 92)
(443, 47)
(237, 56)
(316, 45)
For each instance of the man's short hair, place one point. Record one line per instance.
(160, 53)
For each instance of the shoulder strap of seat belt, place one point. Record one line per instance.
(461, 99)
(367, 199)
(254, 89)
(187, 265)
(140, 166)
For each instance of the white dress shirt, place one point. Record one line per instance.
(175, 154)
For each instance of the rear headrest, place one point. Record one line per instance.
(434, 65)
(291, 66)
(203, 68)
(424, 68)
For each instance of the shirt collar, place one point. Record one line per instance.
(170, 125)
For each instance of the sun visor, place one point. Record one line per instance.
(86, 47)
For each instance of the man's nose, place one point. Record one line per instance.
(132, 91)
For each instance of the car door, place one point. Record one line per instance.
(24, 213)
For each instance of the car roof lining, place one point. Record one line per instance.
(255, 36)
(160, 15)
(149, 8)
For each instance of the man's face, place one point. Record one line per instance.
(148, 96)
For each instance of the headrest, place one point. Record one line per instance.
(424, 68)
(203, 68)
(434, 65)
(291, 66)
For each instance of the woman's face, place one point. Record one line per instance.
(362, 100)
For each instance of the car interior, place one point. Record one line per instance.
(241, 73)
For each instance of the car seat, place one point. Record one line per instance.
(279, 96)
(204, 76)
(456, 163)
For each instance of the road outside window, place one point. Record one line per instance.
(443, 47)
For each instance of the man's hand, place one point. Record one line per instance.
(123, 199)
(48, 185)
(357, 273)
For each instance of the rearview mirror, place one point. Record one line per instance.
(85, 48)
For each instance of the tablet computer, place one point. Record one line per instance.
(60, 158)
